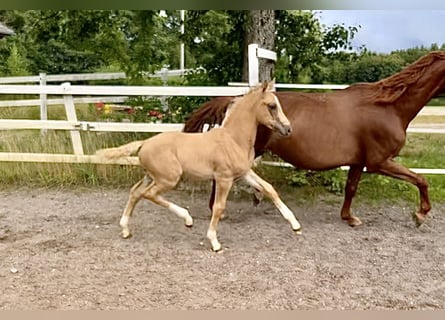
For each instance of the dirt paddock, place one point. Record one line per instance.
(63, 250)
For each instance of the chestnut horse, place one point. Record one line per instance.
(361, 126)
(224, 154)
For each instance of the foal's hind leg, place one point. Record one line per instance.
(151, 192)
(136, 193)
(266, 188)
(396, 170)
(354, 174)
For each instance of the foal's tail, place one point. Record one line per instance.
(120, 152)
(212, 113)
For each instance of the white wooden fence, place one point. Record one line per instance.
(67, 91)
(72, 94)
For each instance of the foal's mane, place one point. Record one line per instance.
(389, 89)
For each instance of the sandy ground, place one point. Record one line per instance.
(63, 250)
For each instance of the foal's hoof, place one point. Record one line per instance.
(188, 222)
(354, 221)
(217, 250)
(297, 231)
(419, 218)
(126, 234)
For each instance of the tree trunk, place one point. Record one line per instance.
(260, 29)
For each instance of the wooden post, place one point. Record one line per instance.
(43, 105)
(72, 117)
(253, 65)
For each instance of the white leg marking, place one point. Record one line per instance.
(289, 216)
(182, 213)
(211, 235)
(124, 224)
(257, 182)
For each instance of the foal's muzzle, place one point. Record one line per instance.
(284, 130)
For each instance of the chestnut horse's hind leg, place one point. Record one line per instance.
(221, 192)
(396, 170)
(354, 174)
(266, 188)
(212, 195)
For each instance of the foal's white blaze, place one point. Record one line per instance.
(281, 114)
(182, 213)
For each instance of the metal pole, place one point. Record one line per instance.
(181, 62)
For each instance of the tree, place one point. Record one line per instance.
(139, 42)
(84, 41)
(259, 28)
(16, 65)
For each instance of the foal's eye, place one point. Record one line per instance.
(272, 105)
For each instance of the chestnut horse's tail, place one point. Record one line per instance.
(212, 113)
(119, 152)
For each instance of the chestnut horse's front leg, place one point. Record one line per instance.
(354, 174)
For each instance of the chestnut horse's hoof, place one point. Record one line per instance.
(353, 221)
(419, 218)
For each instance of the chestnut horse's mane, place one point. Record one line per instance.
(389, 89)
(212, 112)
(385, 91)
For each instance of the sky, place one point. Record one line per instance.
(385, 30)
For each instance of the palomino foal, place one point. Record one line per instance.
(223, 154)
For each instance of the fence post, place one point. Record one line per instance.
(254, 78)
(164, 77)
(43, 104)
(71, 116)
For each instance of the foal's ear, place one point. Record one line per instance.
(269, 86)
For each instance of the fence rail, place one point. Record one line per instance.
(98, 93)
(64, 77)
(36, 102)
(68, 91)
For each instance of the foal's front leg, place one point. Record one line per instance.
(221, 192)
(266, 188)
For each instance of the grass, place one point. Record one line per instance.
(420, 151)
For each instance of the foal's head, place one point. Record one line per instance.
(269, 112)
